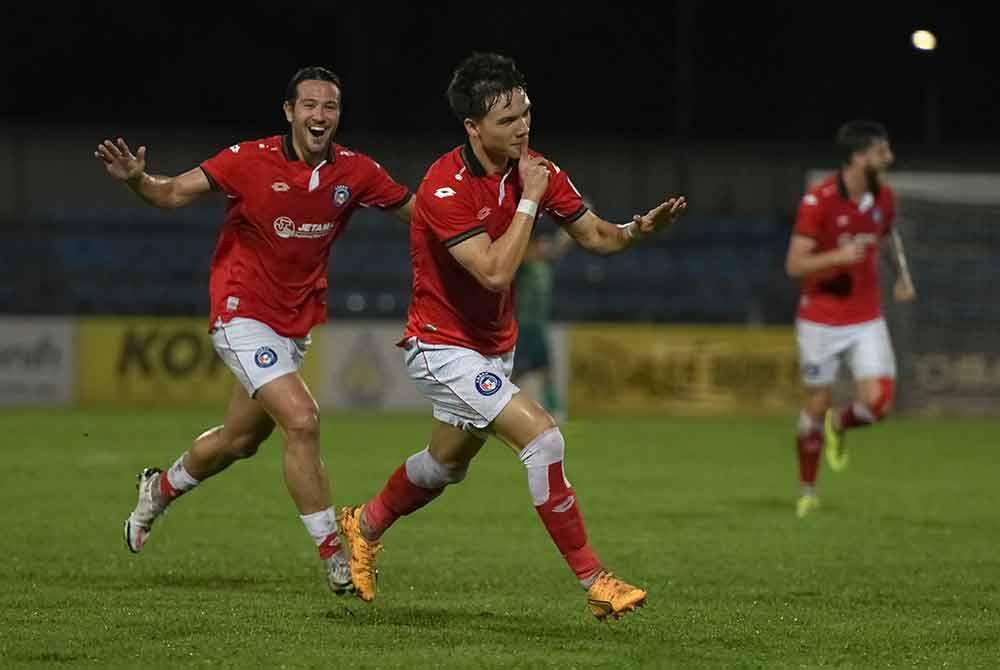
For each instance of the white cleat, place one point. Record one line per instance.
(139, 523)
(338, 575)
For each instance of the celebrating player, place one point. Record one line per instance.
(289, 197)
(834, 250)
(472, 221)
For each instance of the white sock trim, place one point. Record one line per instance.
(320, 524)
(179, 477)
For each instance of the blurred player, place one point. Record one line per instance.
(472, 221)
(834, 250)
(533, 363)
(289, 197)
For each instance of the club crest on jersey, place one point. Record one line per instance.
(265, 357)
(341, 194)
(877, 215)
(488, 383)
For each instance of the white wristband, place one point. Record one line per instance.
(629, 229)
(529, 207)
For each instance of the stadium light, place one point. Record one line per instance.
(924, 40)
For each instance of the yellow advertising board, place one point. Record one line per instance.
(682, 369)
(155, 362)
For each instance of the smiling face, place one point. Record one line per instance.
(505, 128)
(314, 118)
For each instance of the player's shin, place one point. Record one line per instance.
(859, 414)
(414, 484)
(556, 504)
(809, 446)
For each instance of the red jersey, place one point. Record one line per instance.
(848, 294)
(456, 201)
(270, 263)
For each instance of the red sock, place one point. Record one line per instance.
(397, 498)
(809, 446)
(855, 415)
(562, 518)
(167, 489)
(329, 546)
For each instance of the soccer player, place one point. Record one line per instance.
(289, 197)
(834, 251)
(533, 281)
(472, 221)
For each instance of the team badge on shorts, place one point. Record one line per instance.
(341, 194)
(810, 370)
(265, 357)
(488, 383)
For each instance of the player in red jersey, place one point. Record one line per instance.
(289, 197)
(834, 250)
(472, 221)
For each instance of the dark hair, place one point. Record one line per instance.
(855, 136)
(312, 72)
(480, 81)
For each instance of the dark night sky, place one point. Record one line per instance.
(758, 70)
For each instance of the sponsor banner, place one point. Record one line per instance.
(363, 368)
(36, 361)
(682, 370)
(955, 382)
(156, 362)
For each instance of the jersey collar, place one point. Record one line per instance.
(472, 163)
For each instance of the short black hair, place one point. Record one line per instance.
(855, 136)
(316, 72)
(480, 81)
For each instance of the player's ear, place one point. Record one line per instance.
(471, 128)
(289, 111)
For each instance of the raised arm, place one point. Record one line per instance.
(601, 237)
(157, 190)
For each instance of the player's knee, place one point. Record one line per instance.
(303, 425)
(426, 472)
(547, 448)
(882, 402)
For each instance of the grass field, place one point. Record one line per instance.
(900, 567)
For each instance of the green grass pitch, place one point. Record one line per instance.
(899, 568)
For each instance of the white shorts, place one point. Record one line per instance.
(255, 353)
(864, 346)
(466, 389)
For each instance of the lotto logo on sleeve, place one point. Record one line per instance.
(488, 383)
(265, 357)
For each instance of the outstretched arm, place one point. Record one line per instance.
(601, 237)
(160, 191)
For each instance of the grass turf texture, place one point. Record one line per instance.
(899, 568)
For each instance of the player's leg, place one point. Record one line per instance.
(289, 402)
(246, 425)
(416, 482)
(534, 435)
(819, 349)
(873, 365)
(267, 364)
(809, 446)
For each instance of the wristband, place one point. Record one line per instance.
(529, 207)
